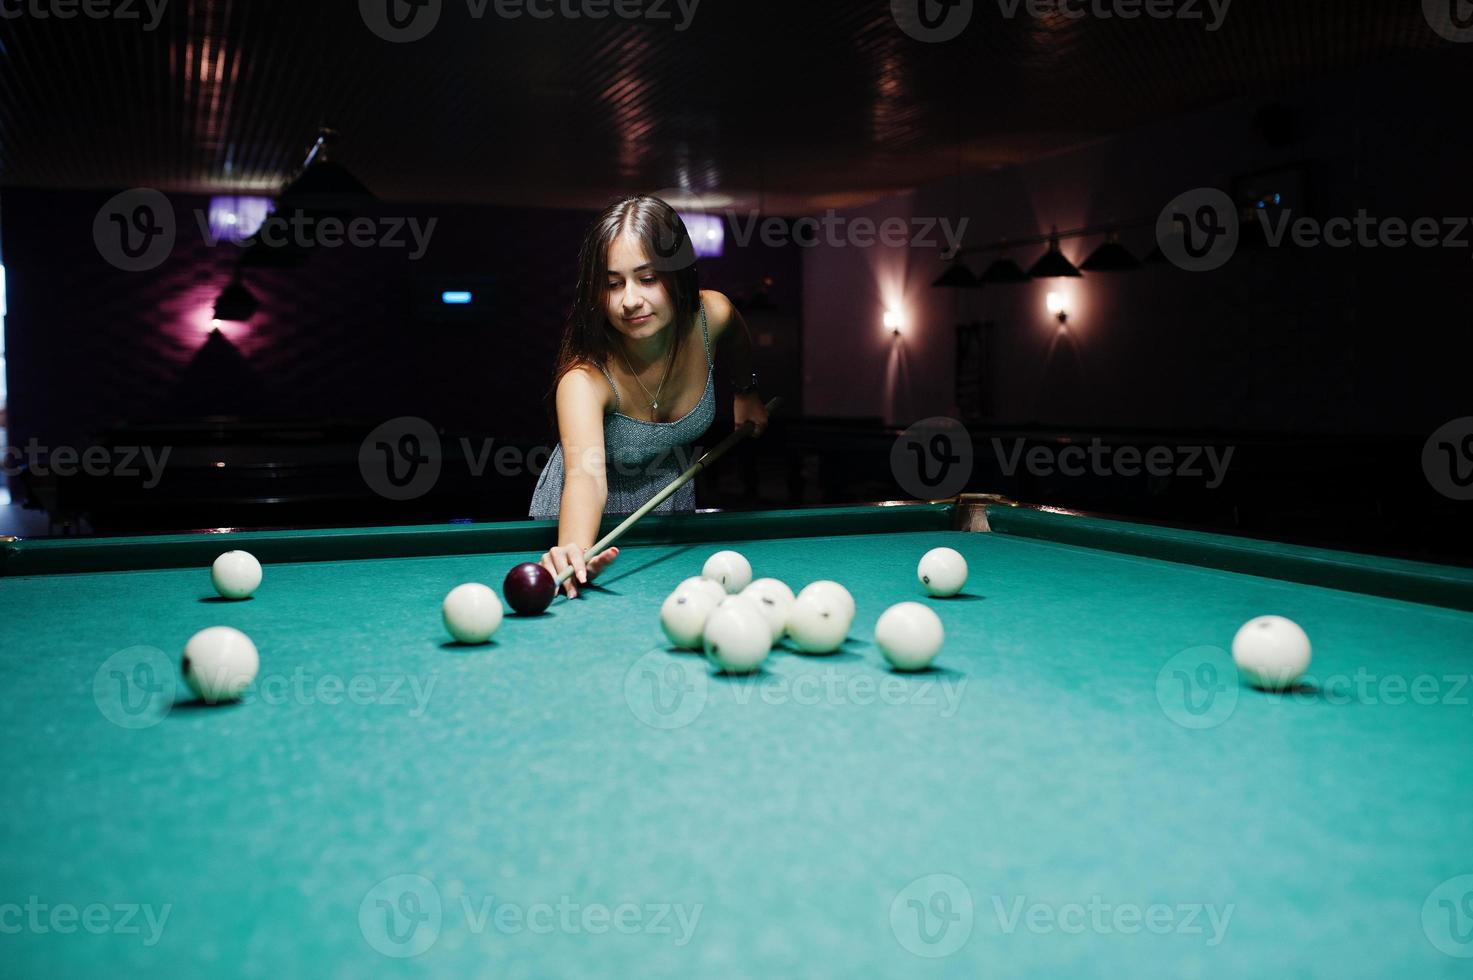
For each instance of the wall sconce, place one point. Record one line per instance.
(894, 321)
(1058, 305)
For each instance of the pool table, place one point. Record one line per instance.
(1079, 787)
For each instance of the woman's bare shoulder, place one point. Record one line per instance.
(719, 312)
(584, 385)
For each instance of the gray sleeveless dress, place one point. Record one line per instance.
(643, 457)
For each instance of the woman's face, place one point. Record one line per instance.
(635, 299)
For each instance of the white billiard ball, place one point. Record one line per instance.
(836, 594)
(775, 600)
(910, 635)
(1271, 652)
(219, 663)
(236, 575)
(683, 616)
(737, 636)
(943, 572)
(746, 603)
(711, 587)
(817, 622)
(472, 613)
(730, 568)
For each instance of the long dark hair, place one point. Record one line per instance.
(588, 335)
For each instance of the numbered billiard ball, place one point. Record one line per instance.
(711, 587)
(837, 596)
(910, 635)
(817, 622)
(775, 600)
(236, 575)
(1271, 652)
(529, 588)
(472, 613)
(737, 637)
(730, 568)
(943, 572)
(683, 617)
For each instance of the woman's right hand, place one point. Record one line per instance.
(584, 571)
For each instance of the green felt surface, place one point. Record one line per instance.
(1049, 766)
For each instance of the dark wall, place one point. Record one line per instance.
(90, 346)
(1292, 340)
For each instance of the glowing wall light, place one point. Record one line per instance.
(707, 234)
(1058, 306)
(238, 218)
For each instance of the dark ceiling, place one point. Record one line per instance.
(810, 103)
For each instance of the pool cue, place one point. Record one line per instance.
(710, 456)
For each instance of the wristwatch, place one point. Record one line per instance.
(742, 390)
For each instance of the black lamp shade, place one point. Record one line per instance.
(1004, 270)
(284, 254)
(236, 304)
(325, 187)
(1053, 264)
(956, 277)
(1111, 257)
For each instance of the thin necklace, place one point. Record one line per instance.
(655, 398)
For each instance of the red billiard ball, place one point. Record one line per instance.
(529, 588)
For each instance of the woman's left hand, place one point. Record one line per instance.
(749, 408)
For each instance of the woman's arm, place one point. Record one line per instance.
(580, 412)
(733, 341)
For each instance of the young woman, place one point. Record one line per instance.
(635, 380)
